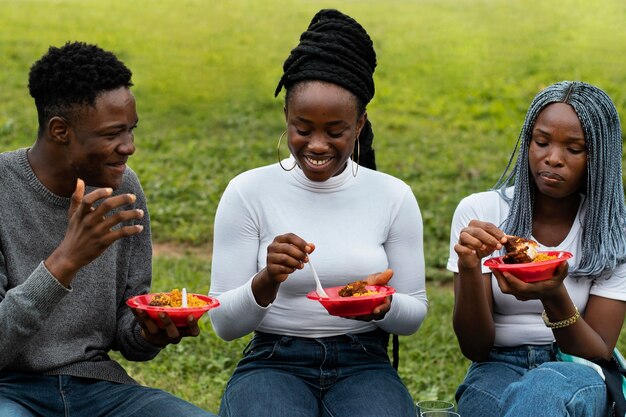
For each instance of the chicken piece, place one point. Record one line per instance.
(354, 288)
(519, 250)
(160, 300)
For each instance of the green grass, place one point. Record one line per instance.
(453, 82)
(198, 369)
(454, 79)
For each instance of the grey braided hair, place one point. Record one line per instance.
(603, 230)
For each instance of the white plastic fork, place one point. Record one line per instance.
(318, 285)
(184, 297)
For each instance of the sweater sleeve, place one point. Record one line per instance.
(405, 252)
(24, 308)
(235, 251)
(138, 254)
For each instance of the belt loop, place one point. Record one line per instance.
(354, 338)
(285, 340)
(553, 349)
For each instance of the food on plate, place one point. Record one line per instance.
(350, 304)
(175, 299)
(520, 251)
(544, 257)
(356, 289)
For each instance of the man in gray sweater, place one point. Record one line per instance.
(74, 246)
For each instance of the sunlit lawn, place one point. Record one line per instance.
(430, 362)
(453, 82)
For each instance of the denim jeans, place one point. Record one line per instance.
(527, 381)
(340, 376)
(32, 395)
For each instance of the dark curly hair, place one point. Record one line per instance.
(72, 76)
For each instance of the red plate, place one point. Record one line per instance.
(178, 315)
(352, 306)
(530, 271)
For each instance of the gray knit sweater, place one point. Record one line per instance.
(46, 328)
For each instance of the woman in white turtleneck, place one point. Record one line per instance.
(353, 222)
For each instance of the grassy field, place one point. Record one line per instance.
(454, 79)
(198, 369)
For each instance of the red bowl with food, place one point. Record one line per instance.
(531, 271)
(356, 305)
(198, 304)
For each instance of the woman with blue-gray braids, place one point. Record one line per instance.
(530, 343)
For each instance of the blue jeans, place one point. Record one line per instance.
(527, 381)
(32, 395)
(340, 376)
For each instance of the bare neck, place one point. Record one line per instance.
(48, 167)
(553, 218)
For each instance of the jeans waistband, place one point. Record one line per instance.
(377, 334)
(550, 348)
(527, 356)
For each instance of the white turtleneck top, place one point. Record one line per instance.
(359, 225)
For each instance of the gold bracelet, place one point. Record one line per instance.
(562, 323)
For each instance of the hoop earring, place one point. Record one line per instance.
(278, 154)
(358, 158)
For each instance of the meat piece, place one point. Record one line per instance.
(354, 288)
(160, 300)
(519, 250)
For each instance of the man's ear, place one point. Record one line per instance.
(59, 129)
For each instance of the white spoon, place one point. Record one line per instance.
(184, 305)
(318, 285)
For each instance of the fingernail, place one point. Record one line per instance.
(140, 227)
(307, 249)
(140, 211)
(133, 197)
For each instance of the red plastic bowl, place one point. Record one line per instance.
(352, 306)
(530, 271)
(178, 315)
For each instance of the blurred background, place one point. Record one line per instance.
(453, 82)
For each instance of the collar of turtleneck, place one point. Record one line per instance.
(330, 184)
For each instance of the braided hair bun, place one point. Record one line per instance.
(335, 48)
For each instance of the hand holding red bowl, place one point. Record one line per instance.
(530, 271)
(178, 315)
(367, 307)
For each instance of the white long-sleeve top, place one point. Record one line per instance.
(359, 225)
(519, 322)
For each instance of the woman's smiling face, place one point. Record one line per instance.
(322, 126)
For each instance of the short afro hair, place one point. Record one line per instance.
(72, 76)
